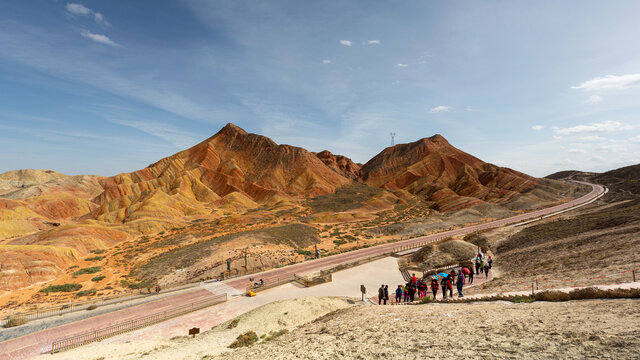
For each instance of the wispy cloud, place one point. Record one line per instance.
(594, 99)
(81, 10)
(102, 39)
(346, 42)
(610, 82)
(470, 109)
(78, 9)
(402, 65)
(99, 18)
(374, 42)
(441, 108)
(48, 52)
(179, 138)
(537, 127)
(326, 61)
(605, 126)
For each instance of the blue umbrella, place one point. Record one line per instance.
(443, 274)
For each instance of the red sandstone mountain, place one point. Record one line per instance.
(246, 167)
(432, 168)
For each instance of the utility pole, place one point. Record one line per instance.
(393, 135)
(246, 269)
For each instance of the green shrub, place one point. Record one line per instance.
(134, 285)
(86, 292)
(15, 321)
(92, 307)
(304, 252)
(273, 335)
(339, 242)
(98, 278)
(61, 288)
(89, 270)
(246, 339)
(233, 324)
(98, 251)
(94, 258)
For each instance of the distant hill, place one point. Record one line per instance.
(625, 179)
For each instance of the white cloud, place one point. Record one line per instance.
(326, 61)
(605, 126)
(99, 18)
(103, 39)
(441, 108)
(469, 108)
(402, 65)
(374, 42)
(537, 127)
(594, 99)
(78, 9)
(635, 139)
(346, 42)
(81, 10)
(577, 151)
(610, 82)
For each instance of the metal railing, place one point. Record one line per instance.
(123, 327)
(83, 305)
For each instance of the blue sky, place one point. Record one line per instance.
(103, 87)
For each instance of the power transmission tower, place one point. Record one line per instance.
(393, 135)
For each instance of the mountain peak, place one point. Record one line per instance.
(232, 129)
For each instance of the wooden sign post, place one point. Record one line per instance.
(363, 290)
(194, 331)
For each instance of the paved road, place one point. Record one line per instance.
(40, 342)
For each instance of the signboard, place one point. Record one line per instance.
(228, 265)
(194, 331)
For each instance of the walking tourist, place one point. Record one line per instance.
(460, 283)
(380, 294)
(399, 294)
(434, 286)
(386, 294)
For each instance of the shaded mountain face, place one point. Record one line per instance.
(434, 169)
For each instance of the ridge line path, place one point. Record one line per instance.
(40, 342)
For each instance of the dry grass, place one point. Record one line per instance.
(296, 235)
(246, 339)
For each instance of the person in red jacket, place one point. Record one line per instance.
(434, 286)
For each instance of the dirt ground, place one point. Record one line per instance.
(332, 328)
(580, 329)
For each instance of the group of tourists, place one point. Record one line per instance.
(443, 281)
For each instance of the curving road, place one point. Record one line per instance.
(40, 342)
